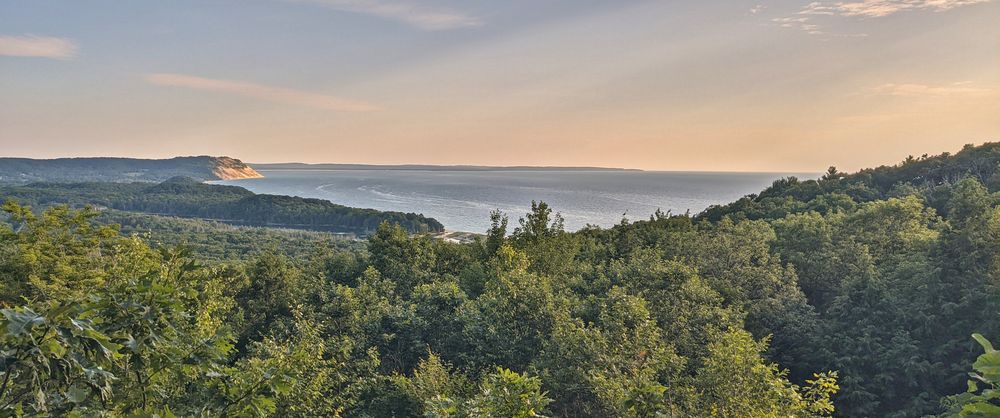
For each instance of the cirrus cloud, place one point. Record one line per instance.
(261, 92)
(420, 17)
(914, 90)
(37, 46)
(805, 19)
(881, 8)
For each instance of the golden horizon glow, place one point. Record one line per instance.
(783, 86)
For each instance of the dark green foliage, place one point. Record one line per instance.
(898, 276)
(153, 333)
(852, 295)
(508, 323)
(216, 242)
(978, 402)
(925, 173)
(353, 333)
(187, 198)
(405, 261)
(542, 238)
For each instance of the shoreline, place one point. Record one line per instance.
(456, 237)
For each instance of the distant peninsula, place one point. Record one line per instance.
(424, 167)
(185, 197)
(110, 169)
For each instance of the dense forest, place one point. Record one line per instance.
(866, 294)
(185, 197)
(65, 170)
(215, 242)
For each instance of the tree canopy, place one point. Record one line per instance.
(846, 297)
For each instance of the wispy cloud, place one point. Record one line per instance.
(880, 8)
(800, 22)
(421, 17)
(37, 46)
(262, 92)
(757, 9)
(943, 90)
(805, 18)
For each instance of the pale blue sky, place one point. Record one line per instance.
(728, 85)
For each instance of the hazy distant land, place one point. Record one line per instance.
(425, 167)
(112, 169)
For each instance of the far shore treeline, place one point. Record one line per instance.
(187, 198)
(871, 294)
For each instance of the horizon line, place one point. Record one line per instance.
(415, 166)
(458, 167)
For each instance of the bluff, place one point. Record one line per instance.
(106, 169)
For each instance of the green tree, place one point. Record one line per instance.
(976, 402)
(407, 262)
(600, 369)
(501, 394)
(507, 324)
(735, 381)
(542, 237)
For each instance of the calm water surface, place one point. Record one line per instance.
(462, 200)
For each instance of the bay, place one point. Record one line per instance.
(463, 199)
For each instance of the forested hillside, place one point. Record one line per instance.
(184, 197)
(847, 296)
(62, 170)
(215, 242)
(929, 176)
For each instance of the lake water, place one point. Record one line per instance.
(462, 200)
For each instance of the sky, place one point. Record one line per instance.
(793, 86)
